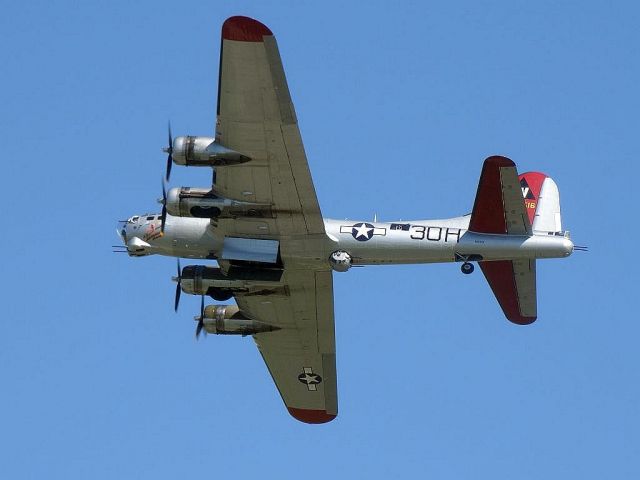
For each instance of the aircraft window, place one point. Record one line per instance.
(133, 219)
(400, 226)
(150, 218)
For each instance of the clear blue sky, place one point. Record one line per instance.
(399, 103)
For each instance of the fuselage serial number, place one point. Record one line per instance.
(435, 234)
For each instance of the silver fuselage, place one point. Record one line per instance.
(368, 243)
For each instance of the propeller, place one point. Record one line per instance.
(200, 319)
(169, 151)
(163, 215)
(178, 287)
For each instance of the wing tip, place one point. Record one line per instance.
(521, 320)
(244, 29)
(311, 416)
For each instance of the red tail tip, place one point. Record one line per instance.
(244, 29)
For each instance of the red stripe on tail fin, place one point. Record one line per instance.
(531, 184)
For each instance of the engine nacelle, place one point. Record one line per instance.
(204, 152)
(229, 320)
(203, 203)
(200, 280)
(203, 280)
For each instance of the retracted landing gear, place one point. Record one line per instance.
(220, 294)
(467, 268)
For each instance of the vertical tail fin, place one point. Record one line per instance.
(542, 201)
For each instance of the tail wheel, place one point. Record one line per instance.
(467, 268)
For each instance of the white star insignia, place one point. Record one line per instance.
(363, 231)
(311, 378)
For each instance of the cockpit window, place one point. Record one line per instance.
(133, 219)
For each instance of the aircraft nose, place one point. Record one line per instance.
(121, 230)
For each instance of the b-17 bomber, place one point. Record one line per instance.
(261, 222)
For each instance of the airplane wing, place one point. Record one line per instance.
(256, 117)
(301, 355)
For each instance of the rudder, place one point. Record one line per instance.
(542, 202)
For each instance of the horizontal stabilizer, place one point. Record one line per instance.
(514, 285)
(499, 206)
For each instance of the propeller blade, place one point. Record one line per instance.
(178, 288)
(163, 218)
(200, 319)
(199, 329)
(163, 215)
(169, 163)
(177, 300)
(169, 150)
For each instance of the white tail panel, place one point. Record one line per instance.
(542, 201)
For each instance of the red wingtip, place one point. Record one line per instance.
(311, 416)
(520, 320)
(244, 29)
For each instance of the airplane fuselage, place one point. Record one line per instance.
(366, 242)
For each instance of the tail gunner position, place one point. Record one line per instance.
(260, 220)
